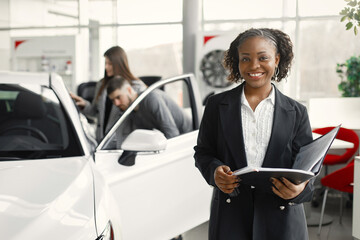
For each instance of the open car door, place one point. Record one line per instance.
(159, 191)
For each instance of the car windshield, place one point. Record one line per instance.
(34, 125)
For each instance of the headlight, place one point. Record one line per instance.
(107, 234)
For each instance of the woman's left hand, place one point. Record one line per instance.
(286, 189)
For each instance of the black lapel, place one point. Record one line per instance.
(282, 130)
(230, 118)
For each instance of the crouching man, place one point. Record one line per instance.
(156, 111)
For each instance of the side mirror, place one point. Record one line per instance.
(141, 140)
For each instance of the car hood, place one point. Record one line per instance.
(46, 199)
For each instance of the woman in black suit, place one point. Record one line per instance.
(256, 125)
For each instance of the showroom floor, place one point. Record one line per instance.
(333, 231)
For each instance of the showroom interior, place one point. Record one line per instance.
(168, 38)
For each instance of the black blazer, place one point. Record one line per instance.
(254, 213)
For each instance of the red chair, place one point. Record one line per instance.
(345, 135)
(341, 180)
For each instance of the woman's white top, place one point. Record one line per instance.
(257, 127)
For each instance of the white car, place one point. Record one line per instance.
(54, 184)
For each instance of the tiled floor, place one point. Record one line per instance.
(333, 231)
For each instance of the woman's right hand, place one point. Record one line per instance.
(224, 179)
(79, 101)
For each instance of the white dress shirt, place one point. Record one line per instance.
(257, 127)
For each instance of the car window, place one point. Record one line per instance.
(33, 124)
(166, 109)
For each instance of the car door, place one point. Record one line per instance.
(162, 194)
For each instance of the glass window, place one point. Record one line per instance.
(241, 26)
(242, 9)
(34, 125)
(289, 8)
(153, 50)
(102, 11)
(318, 43)
(140, 11)
(43, 13)
(320, 7)
(325, 43)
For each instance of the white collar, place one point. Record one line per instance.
(271, 96)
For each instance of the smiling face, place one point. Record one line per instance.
(257, 62)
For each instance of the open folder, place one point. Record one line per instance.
(307, 164)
